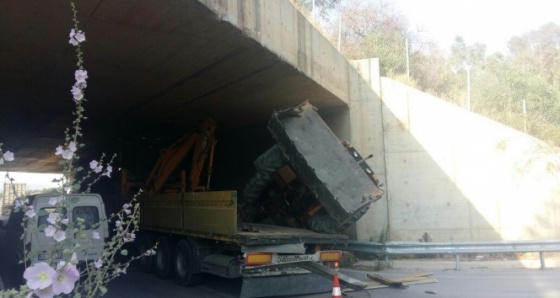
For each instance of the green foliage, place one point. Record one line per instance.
(499, 83)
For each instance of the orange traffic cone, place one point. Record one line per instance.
(336, 293)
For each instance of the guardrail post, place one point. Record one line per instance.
(457, 262)
(541, 255)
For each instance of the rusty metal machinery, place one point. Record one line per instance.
(322, 184)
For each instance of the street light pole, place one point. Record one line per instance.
(468, 69)
(407, 60)
(525, 116)
(339, 27)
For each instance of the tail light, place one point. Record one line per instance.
(254, 259)
(330, 256)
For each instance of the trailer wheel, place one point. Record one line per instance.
(144, 244)
(186, 272)
(164, 257)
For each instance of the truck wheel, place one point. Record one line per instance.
(144, 244)
(164, 257)
(185, 264)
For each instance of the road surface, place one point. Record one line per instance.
(477, 282)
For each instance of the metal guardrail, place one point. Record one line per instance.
(453, 248)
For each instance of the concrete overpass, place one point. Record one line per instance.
(155, 68)
(152, 65)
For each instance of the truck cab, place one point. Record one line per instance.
(25, 239)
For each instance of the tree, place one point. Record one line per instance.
(539, 52)
(320, 8)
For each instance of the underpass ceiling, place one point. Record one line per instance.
(151, 65)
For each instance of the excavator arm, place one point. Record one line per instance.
(203, 143)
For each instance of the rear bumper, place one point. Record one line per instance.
(290, 279)
(285, 285)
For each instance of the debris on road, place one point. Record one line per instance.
(379, 281)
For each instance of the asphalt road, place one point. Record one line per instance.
(484, 283)
(471, 283)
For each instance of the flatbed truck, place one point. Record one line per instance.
(318, 184)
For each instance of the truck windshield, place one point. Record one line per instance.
(90, 215)
(42, 221)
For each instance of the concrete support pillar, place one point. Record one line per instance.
(366, 125)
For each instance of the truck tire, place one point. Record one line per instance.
(164, 257)
(186, 272)
(145, 243)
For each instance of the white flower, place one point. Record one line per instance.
(30, 212)
(80, 36)
(108, 171)
(118, 224)
(76, 37)
(98, 263)
(64, 221)
(95, 166)
(8, 156)
(73, 41)
(60, 265)
(150, 252)
(59, 236)
(42, 293)
(53, 201)
(95, 235)
(67, 154)
(59, 150)
(74, 258)
(39, 276)
(129, 237)
(72, 146)
(20, 203)
(50, 231)
(65, 279)
(126, 208)
(77, 93)
(53, 218)
(119, 271)
(81, 76)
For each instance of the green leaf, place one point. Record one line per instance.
(103, 290)
(124, 252)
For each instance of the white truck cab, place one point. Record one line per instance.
(86, 210)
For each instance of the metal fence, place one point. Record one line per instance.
(453, 248)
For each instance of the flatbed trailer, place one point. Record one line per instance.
(212, 215)
(199, 232)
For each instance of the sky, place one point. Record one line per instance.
(34, 181)
(490, 22)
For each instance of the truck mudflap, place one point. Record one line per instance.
(316, 279)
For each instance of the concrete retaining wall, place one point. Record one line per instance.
(456, 175)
